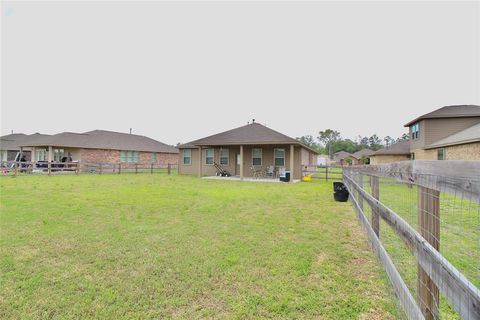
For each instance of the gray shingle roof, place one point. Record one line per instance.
(469, 135)
(101, 139)
(250, 134)
(337, 156)
(364, 152)
(459, 111)
(13, 141)
(399, 148)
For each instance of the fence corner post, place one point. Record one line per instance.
(168, 168)
(429, 228)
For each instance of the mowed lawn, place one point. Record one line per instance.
(157, 246)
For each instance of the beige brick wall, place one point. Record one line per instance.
(421, 154)
(388, 158)
(470, 151)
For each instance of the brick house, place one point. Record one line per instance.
(399, 151)
(446, 131)
(100, 146)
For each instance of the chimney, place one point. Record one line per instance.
(253, 120)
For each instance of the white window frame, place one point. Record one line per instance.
(58, 154)
(206, 156)
(275, 158)
(415, 130)
(224, 157)
(443, 153)
(41, 154)
(261, 156)
(185, 156)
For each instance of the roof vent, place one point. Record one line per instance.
(253, 120)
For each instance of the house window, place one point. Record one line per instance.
(154, 157)
(441, 154)
(224, 157)
(209, 153)
(187, 156)
(412, 156)
(256, 156)
(279, 155)
(58, 154)
(129, 156)
(41, 154)
(415, 130)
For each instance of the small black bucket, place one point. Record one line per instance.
(340, 192)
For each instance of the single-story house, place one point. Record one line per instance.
(9, 148)
(343, 158)
(463, 145)
(399, 151)
(362, 156)
(100, 146)
(245, 150)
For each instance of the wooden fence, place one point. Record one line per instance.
(18, 167)
(136, 168)
(436, 274)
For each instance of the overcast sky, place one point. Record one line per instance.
(180, 71)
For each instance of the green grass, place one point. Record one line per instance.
(158, 246)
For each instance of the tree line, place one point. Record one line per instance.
(330, 141)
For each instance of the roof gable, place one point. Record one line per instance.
(250, 134)
(459, 111)
(468, 135)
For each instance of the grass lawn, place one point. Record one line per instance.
(158, 246)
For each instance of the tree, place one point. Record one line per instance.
(388, 141)
(404, 136)
(328, 137)
(309, 141)
(374, 142)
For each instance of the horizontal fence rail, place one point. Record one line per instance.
(433, 208)
(53, 167)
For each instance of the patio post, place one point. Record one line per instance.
(241, 162)
(200, 161)
(50, 159)
(292, 161)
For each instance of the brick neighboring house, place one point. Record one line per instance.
(362, 156)
(429, 131)
(241, 149)
(399, 151)
(100, 146)
(463, 145)
(343, 158)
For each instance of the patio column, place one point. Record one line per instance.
(241, 162)
(292, 161)
(50, 153)
(199, 161)
(32, 154)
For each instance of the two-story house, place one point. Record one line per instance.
(448, 133)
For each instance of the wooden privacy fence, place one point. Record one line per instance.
(444, 237)
(18, 167)
(119, 168)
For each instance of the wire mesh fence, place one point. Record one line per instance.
(426, 218)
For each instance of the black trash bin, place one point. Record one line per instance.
(285, 177)
(340, 192)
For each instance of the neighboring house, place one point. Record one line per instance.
(343, 158)
(9, 147)
(323, 160)
(399, 151)
(100, 146)
(428, 130)
(240, 149)
(463, 145)
(362, 156)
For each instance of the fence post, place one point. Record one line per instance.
(119, 168)
(100, 170)
(49, 167)
(359, 196)
(77, 169)
(169, 169)
(151, 168)
(16, 168)
(375, 187)
(429, 227)
(136, 168)
(326, 173)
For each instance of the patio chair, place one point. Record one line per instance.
(270, 172)
(257, 172)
